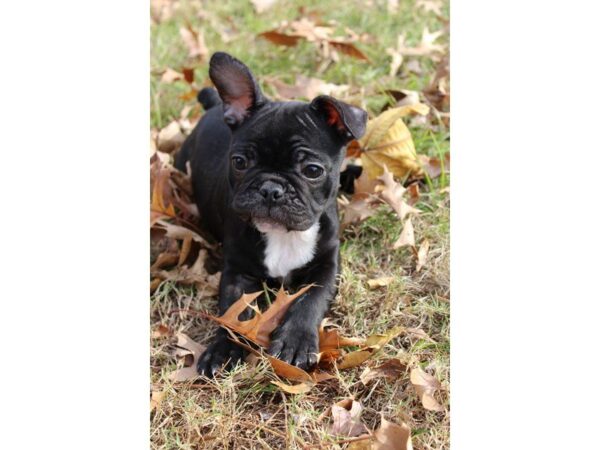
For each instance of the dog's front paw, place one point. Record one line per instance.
(295, 344)
(222, 352)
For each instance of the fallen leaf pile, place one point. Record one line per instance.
(368, 195)
(194, 42)
(426, 386)
(187, 347)
(395, 176)
(305, 88)
(320, 34)
(178, 251)
(345, 418)
(257, 331)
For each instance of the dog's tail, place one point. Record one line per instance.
(208, 97)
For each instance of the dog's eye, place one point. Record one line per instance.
(312, 171)
(239, 162)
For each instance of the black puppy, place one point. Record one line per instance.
(265, 176)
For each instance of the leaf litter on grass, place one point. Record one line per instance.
(175, 251)
(257, 331)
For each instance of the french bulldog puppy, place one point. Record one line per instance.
(265, 176)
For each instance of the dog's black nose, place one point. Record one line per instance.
(272, 191)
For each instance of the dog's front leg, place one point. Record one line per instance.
(222, 352)
(296, 340)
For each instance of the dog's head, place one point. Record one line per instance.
(285, 157)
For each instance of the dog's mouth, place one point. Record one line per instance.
(269, 225)
(288, 217)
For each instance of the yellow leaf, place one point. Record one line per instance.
(300, 388)
(354, 359)
(371, 346)
(380, 282)
(156, 399)
(388, 142)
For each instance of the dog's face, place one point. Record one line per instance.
(285, 157)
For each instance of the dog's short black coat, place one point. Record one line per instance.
(274, 166)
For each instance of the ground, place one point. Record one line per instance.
(242, 409)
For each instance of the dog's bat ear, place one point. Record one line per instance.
(237, 87)
(349, 121)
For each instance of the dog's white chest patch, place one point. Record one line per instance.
(289, 250)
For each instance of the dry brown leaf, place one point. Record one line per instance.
(165, 259)
(390, 436)
(420, 334)
(289, 33)
(194, 41)
(396, 62)
(279, 38)
(392, 193)
(194, 275)
(407, 236)
(171, 75)
(170, 137)
(388, 142)
(258, 329)
(154, 284)
(153, 139)
(263, 5)
(346, 418)
(357, 211)
(188, 74)
(348, 48)
(170, 188)
(185, 250)
(331, 343)
(281, 368)
(392, 368)
(413, 193)
(434, 6)
(179, 232)
(300, 388)
(161, 10)
(438, 91)
(361, 444)
(364, 200)
(310, 30)
(190, 347)
(329, 339)
(422, 255)
(372, 345)
(414, 66)
(380, 282)
(425, 47)
(364, 187)
(161, 331)
(306, 87)
(159, 205)
(404, 97)
(426, 385)
(156, 399)
(434, 166)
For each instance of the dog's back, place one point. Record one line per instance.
(209, 138)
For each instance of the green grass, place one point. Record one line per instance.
(242, 409)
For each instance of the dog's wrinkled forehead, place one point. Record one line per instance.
(283, 126)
